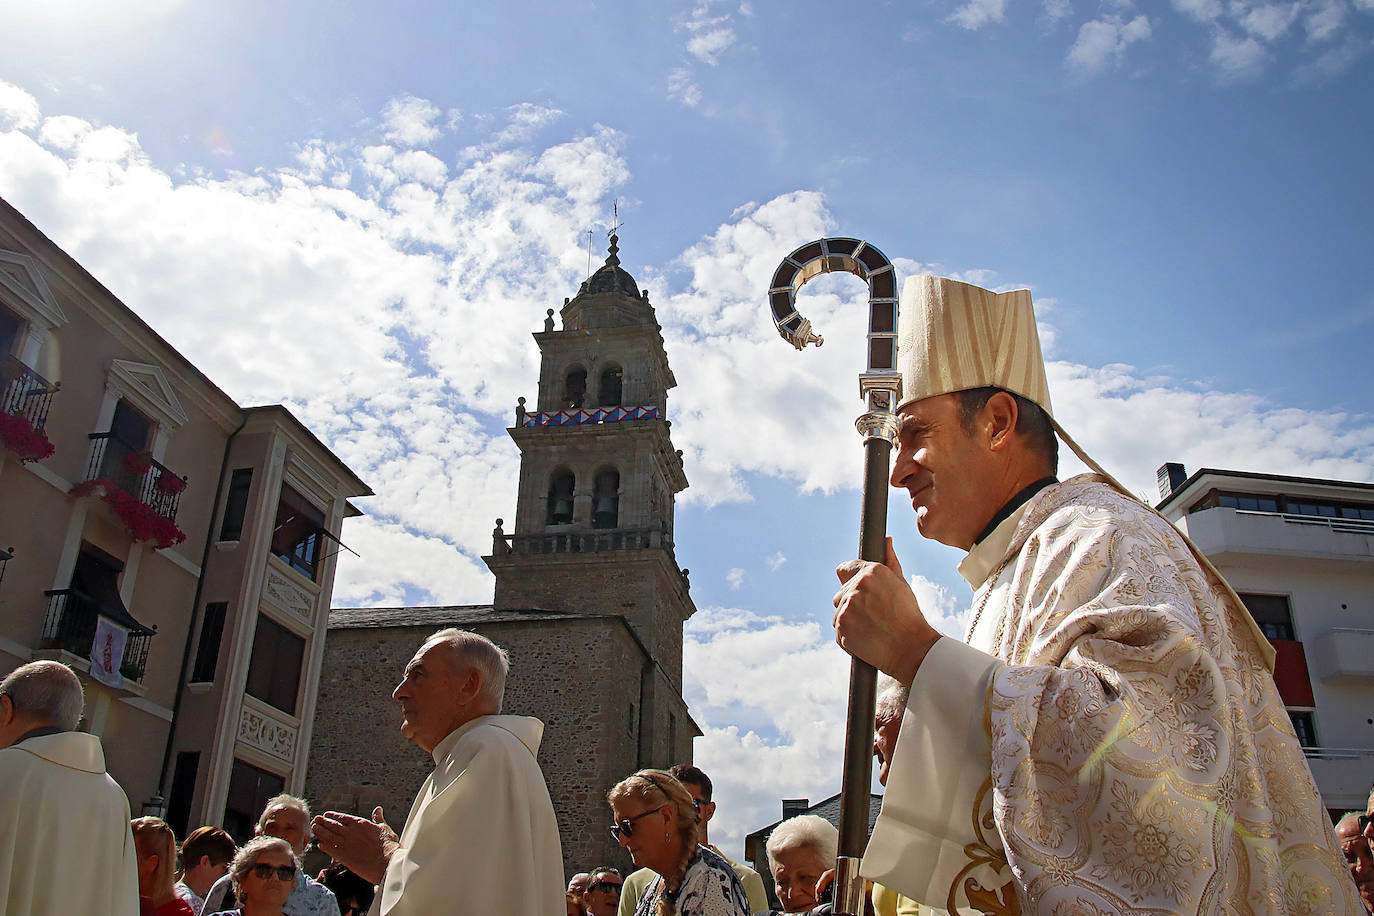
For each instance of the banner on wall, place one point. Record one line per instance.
(107, 651)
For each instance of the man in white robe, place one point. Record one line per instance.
(481, 837)
(1109, 739)
(65, 844)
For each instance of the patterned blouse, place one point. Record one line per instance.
(710, 888)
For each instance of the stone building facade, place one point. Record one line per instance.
(589, 599)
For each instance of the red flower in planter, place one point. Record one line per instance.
(18, 435)
(143, 522)
(137, 463)
(168, 482)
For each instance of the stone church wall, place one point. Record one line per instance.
(580, 677)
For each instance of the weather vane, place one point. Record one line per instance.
(881, 388)
(616, 224)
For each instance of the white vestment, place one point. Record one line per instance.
(481, 838)
(1110, 741)
(65, 843)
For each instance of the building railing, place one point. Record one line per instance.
(583, 541)
(135, 472)
(24, 392)
(70, 625)
(1345, 525)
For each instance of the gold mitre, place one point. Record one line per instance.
(955, 336)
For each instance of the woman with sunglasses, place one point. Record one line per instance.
(656, 822)
(263, 873)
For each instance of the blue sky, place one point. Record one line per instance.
(1184, 186)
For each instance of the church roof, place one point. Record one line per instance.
(360, 618)
(611, 278)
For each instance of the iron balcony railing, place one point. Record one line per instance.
(583, 541)
(24, 392)
(135, 472)
(70, 625)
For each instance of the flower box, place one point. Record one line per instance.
(18, 435)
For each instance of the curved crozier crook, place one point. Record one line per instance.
(868, 264)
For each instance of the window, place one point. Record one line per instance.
(236, 505)
(249, 790)
(183, 788)
(274, 674)
(10, 326)
(606, 499)
(298, 535)
(130, 433)
(207, 652)
(1248, 503)
(1272, 613)
(1305, 728)
(608, 395)
(561, 489)
(1322, 510)
(575, 389)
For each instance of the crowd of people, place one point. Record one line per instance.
(1108, 738)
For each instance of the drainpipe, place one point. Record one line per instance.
(160, 799)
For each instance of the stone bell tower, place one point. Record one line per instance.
(598, 472)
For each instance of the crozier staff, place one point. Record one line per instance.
(1112, 710)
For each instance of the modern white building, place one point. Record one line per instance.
(1300, 552)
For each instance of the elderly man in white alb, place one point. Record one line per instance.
(1109, 738)
(65, 843)
(481, 838)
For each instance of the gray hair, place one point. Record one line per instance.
(247, 857)
(482, 655)
(892, 699)
(1350, 817)
(805, 831)
(285, 801)
(46, 692)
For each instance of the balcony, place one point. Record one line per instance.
(1344, 655)
(1342, 775)
(70, 626)
(583, 541)
(1232, 535)
(25, 398)
(133, 471)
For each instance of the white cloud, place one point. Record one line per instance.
(1056, 10)
(940, 607)
(709, 44)
(1103, 42)
(1325, 20)
(681, 88)
(709, 30)
(735, 577)
(409, 121)
(770, 697)
(1237, 59)
(1200, 10)
(776, 561)
(1270, 21)
(18, 109)
(977, 13)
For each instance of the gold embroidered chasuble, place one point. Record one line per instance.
(1110, 739)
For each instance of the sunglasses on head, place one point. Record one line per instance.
(612, 886)
(626, 825)
(280, 872)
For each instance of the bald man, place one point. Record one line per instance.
(66, 846)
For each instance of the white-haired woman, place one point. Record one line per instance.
(800, 850)
(263, 873)
(656, 822)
